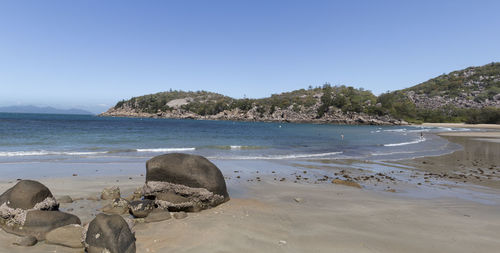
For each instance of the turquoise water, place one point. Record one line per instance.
(46, 137)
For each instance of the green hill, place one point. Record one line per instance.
(470, 95)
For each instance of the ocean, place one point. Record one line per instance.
(85, 138)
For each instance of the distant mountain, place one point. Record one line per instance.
(46, 110)
(470, 95)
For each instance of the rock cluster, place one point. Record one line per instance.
(174, 183)
(29, 209)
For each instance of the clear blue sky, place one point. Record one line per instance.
(91, 54)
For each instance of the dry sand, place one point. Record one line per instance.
(275, 216)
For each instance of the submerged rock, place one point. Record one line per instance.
(184, 182)
(109, 233)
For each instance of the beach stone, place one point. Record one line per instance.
(117, 206)
(184, 182)
(65, 199)
(346, 183)
(180, 215)
(141, 208)
(29, 194)
(38, 223)
(158, 215)
(110, 193)
(190, 170)
(109, 233)
(26, 241)
(68, 236)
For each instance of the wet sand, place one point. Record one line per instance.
(299, 210)
(477, 163)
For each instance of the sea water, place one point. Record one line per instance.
(86, 138)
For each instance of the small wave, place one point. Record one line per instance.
(121, 151)
(391, 153)
(396, 130)
(43, 152)
(278, 157)
(164, 149)
(232, 147)
(404, 143)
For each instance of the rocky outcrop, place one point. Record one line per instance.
(305, 115)
(184, 182)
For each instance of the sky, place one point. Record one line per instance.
(91, 54)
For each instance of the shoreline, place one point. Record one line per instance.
(289, 206)
(458, 125)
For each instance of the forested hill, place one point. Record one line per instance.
(470, 95)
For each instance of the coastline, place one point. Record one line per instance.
(299, 215)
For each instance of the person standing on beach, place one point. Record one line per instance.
(342, 136)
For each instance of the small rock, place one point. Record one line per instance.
(110, 193)
(69, 236)
(391, 190)
(65, 199)
(93, 198)
(346, 183)
(26, 241)
(282, 242)
(180, 215)
(158, 215)
(298, 200)
(141, 208)
(75, 175)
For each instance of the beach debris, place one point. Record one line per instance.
(26, 241)
(109, 233)
(141, 208)
(184, 182)
(346, 183)
(157, 215)
(65, 199)
(74, 174)
(298, 200)
(112, 192)
(180, 215)
(282, 242)
(68, 236)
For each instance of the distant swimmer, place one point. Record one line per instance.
(342, 136)
(421, 135)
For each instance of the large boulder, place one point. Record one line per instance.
(190, 177)
(38, 223)
(109, 233)
(29, 194)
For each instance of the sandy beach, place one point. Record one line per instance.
(272, 215)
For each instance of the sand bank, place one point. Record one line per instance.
(461, 125)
